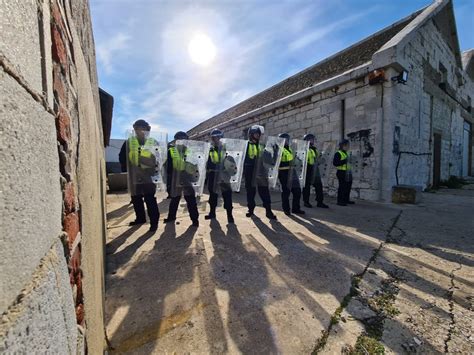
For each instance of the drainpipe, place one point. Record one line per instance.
(381, 147)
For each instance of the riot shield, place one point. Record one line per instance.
(233, 163)
(190, 172)
(299, 164)
(324, 161)
(271, 158)
(146, 156)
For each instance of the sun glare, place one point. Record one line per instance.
(202, 50)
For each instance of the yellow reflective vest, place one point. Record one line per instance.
(136, 150)
(254, 150)
(346, 166)
(313, 154)
(178, 159)
(215, 156)
(286, 158)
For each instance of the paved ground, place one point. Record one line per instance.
(348, 279)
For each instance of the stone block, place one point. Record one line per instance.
(406, 194)
(43, 320)
(117, 182)
(30, 186)
(20, 42)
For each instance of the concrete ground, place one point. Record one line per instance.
(346, 279)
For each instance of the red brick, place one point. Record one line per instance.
(58, 86)
(59, 50)
(80, 314)
(63, 126)
(75, 264)
(56, 14)
(69, 198)
(71, 227)
(78, 283)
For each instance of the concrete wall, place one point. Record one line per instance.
(422, 108)
(52, 180)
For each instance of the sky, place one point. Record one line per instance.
(177, 63)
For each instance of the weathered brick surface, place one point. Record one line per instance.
(69, 198)
(63, 125)
(71, 226)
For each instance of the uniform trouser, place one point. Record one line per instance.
(226, 192)
(287, 187)
(146, 192)
(345, 184)
(311, 180)
(251, 186)
(190, 198)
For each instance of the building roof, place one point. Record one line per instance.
(468, 62)
(340, 62)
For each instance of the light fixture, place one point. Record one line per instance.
(401, 78)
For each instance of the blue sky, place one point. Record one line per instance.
(144, 59)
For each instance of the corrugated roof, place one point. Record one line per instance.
(342, 61)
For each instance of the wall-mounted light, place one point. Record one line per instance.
(401, 78)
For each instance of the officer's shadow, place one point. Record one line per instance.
(244, 276)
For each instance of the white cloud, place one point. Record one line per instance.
(326, 30)
(110, 48)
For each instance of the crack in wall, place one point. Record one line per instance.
(9, 69)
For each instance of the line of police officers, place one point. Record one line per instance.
(140, 164)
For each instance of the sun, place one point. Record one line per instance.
(201, 49)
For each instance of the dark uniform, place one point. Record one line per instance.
(141, 168)
(217, 178)
(256, 178)
(180, 183)
(344, 176)
(289, 182)
(313, 178)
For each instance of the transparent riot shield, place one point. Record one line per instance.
(300, 151)
(146, 156)
(323, 163)
(271, 158)
(190, 169)
(355, 163)
(233, 163)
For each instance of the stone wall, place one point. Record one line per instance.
(423, 108)
(52, 182)
(322, 114)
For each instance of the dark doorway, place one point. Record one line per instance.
(437, 160)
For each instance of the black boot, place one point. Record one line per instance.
(211, 215)
(169, 220)
(322, 205)
(270, 214)
(249, 213)
(137, 222)
(307, 204)
(230, 218)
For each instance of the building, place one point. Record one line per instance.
(54, 126)
(403, 96)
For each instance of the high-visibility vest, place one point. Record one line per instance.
(215, 156)
(254, 150)
(312, 155)
(344, 166)
(179, 161)
(136, 150)
(286, 157)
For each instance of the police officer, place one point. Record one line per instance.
(344, 174)
(180, 181)
(289, 179)
(255, 173)
(141, 167)
(217, 177)
(313, 176)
